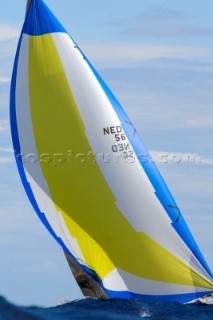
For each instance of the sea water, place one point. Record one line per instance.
(115, 309)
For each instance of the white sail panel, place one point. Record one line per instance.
(113, 215)
(118, 171)
(119, 280)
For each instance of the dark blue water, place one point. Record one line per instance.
(108, 309)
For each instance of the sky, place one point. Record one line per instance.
(157, 57)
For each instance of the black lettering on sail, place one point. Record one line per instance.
(106, 130)
(114, 148)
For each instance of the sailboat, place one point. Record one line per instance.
(90, 178)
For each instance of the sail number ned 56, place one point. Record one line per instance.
(123, 146)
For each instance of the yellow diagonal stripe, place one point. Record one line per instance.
(79, 190)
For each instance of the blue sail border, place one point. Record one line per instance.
(48, 25)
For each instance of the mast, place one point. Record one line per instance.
(28, 5)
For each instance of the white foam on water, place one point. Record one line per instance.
(145, 314)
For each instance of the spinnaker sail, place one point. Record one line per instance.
(89, 176)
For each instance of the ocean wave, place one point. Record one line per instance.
(115, 309)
